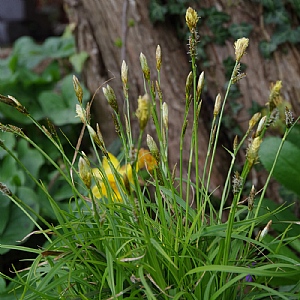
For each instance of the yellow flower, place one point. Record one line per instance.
(125, 172)
(146, 160)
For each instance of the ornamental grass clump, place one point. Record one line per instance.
(130, 232)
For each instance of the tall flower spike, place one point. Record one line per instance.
(240, 48)
(143, 111)
(191, 18)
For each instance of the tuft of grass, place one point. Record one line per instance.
(130, 232)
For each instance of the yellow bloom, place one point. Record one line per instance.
(124, 171)
(146, 160)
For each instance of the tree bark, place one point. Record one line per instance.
(101, 28)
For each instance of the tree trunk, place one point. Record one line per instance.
(101, 29)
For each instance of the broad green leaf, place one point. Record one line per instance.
(55, 108)
(77, 60)
(31, 158)
(287, 170)
(58, 47)
(4, 212)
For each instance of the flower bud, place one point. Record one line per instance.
(111, 98)
(251, 198)
(85, 170)
(260, 126)
(217, 106)
(77, 89)
(145, 67)
(153, 147)
(158, 58)
(235, 142)
(200, 85)
(265, 231)
(124, 73)
(188, 84)
(254, 120)
(165, 114)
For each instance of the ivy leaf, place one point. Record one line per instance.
(279, 17)
(240, 30)
(294, 36)
(267, 48)
(281, 35)
(157, 12)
